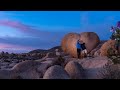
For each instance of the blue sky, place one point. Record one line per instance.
(22, 31)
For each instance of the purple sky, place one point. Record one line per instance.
(23, 31)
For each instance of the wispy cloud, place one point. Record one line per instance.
(30, 30)
(35, 42)
(11, 47)
(8, 46)
(36, 37)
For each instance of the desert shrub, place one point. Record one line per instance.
(6, 60)
(113, 56)
(59, 61)
(110, 52)
(116, 36)
(112, 71)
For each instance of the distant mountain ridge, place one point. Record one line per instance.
(45, 51)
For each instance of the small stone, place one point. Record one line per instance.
(12, 64)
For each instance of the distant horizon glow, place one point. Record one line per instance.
(23, 31)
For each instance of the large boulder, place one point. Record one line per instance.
(26, 70)
(96, 51)
(107, 45)
(30, 73)
(56, 72)
(75, 70)
(93, 66)
(5, 74)
(111, 71)
(91, 40)
(69, 42)
(42, 68)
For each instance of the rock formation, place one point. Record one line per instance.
(56, 72)
(75, 70)
(107, 45)
(69, 42)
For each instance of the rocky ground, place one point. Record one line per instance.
(7, 60)
(52, 68)
(49, 65)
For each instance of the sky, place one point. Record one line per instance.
(23, 31)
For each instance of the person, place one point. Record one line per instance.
(78, 46)
(84, 50)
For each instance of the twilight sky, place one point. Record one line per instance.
(23, 31)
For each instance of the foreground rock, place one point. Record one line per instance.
(111, 71)
(96, 52)
(5, 74)
(107, 45)
(51, 68)
(75, 70)
(56, 72)
(23, 70)
(43, 67)
(27, 69)
(93, 66)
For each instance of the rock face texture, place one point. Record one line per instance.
(106, 46)
(75, 70)
(96, 52)
(93, 66)
(68, 43)
(56, 72)
(91, 40)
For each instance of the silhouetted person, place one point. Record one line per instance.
(84, 50)
(78, 46)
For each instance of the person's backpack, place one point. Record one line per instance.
(83, 46)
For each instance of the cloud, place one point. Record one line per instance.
(14, 48)
(33, 31)
(17, 25)
(35, 42)
(26, 29)
(26, 44)
(33, 37)
(39, 38)
(8, 46)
